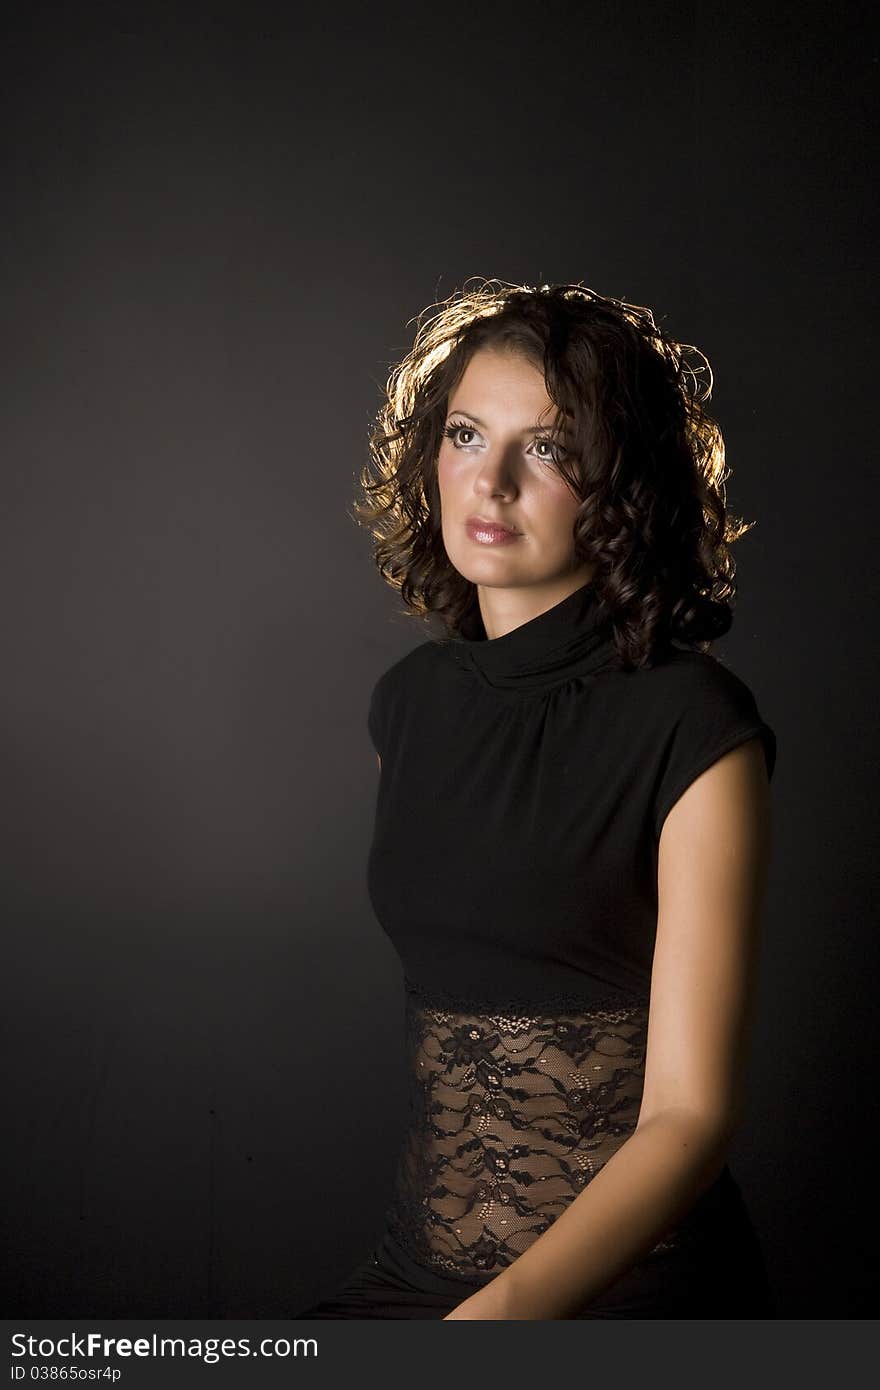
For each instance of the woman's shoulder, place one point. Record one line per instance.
(692, 694)
(683, 675)
(408, 677)
(413, 665)
(695, 709)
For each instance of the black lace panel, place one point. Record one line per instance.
(511, 1115)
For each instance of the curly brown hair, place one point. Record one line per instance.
(643, 456)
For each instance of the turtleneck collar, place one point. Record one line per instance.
(569, 639)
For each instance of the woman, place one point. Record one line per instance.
(572, 826)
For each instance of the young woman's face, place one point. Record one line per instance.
(496, 464)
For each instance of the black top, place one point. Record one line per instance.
(524, 784)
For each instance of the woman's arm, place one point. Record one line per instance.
(714, 855)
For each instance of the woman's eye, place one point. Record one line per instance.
(554, 454)
(452, 430)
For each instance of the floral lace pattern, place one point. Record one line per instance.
(511, 1115)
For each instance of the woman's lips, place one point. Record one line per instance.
(489, 532)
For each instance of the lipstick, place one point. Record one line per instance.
(489, 532)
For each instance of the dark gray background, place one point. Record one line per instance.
(216, 229)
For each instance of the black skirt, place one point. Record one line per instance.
(716, 1270)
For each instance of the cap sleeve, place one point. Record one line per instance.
(716, 712)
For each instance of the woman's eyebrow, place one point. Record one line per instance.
(529, 429)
